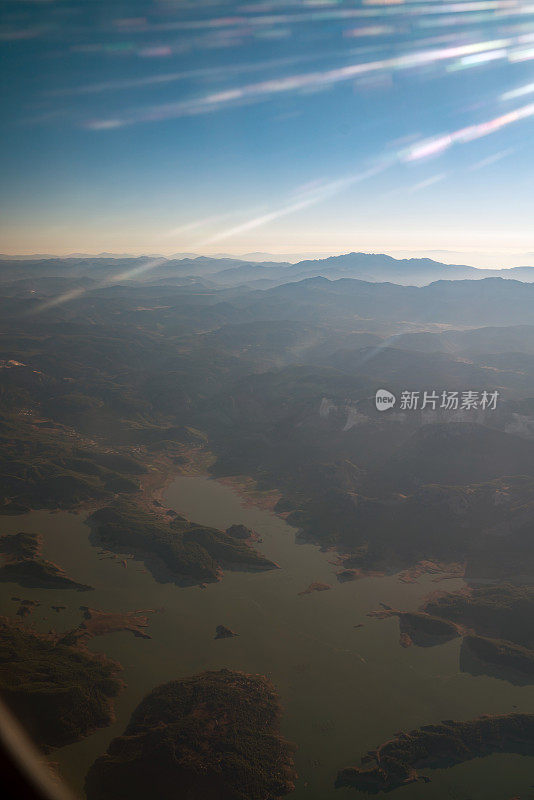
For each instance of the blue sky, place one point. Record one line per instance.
(312, 126)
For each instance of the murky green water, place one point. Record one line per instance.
(344, 690)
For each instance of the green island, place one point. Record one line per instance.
(495, 621)
(214, 736)
(498, 621)
(61, 693)
(395, 763)
(425, 630)
(223, 632)
(24, 564)
(174, 551)
(481, 655)
(501, 611)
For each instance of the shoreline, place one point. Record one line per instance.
(245, 487)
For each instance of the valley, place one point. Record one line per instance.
(209, 475)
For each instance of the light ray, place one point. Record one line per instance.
(313, 80)
(74, 294)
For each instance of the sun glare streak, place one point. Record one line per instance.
(470, 54)
(194, 225)
(420, 150)
(74, 294)
(493, 159)
(521, 91)
(316, 192)
(387, 37)
(184, 75)
(503, 8)
(439, 144)
(418, 187)
(305, 200)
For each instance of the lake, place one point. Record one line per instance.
(343, 689)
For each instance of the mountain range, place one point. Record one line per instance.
(228, 271)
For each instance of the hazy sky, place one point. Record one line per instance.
(212, 126)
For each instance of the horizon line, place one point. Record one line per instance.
(411, 254)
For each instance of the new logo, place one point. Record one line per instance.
(384, 400)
